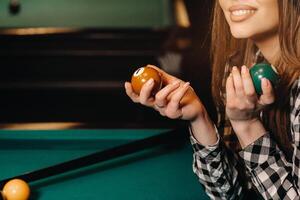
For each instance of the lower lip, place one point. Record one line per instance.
(240, 18)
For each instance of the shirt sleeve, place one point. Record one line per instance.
(271, 173)
(216, 173)
(295, 132)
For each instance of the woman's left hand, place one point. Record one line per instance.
(242, 102)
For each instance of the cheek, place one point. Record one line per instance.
(227, 18)
(268, 22)
(269, 9)
(223, 4)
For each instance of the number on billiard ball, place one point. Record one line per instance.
(16, 189)
(142, 75)
(260, 71)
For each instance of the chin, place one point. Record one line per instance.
(240, 33)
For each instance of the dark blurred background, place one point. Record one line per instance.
(66, 61)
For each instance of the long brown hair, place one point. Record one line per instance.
(228, 51)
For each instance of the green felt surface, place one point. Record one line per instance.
(158, 173)
(88, 14)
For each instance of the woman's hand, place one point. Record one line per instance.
(242, 102)
(176, 100)
(243, 105)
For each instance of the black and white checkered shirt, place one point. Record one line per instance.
(273, 176)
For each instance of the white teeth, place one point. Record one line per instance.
(242, 12)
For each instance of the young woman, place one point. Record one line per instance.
(256, 142)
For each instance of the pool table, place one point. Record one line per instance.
(89, 14)
(162, 173)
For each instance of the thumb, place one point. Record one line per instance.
(267, 96)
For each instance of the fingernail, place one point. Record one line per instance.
(265, 82)
(150, 81)
(244, 69)
(186, 84)
(234, 68)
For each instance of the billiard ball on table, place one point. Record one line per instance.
(14, 6)
(263, 70)
(16, 189)
(142, 75)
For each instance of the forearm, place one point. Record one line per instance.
(204, 130)
(215, 168)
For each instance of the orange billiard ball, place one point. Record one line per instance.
(142, 75)
(16, 189)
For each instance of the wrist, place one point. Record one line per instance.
(248, 131)
(204, 130)
(241, 126)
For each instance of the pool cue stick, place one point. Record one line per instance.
(175, 136)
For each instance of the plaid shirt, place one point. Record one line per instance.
(273, 176)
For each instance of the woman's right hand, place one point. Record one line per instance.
(176, 100)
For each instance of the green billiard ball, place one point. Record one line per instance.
(260, 71)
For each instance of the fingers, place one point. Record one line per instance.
(238, 82)
(168, 100)
(241, 99)
(241, 84)
(230, 91)
(248, 86)
(145, 97)
(162, 95)
(129, 91)
(267, 96)
(145, 94)
(174, 103)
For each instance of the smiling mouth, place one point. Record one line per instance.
(242, 12)
(241, 15)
